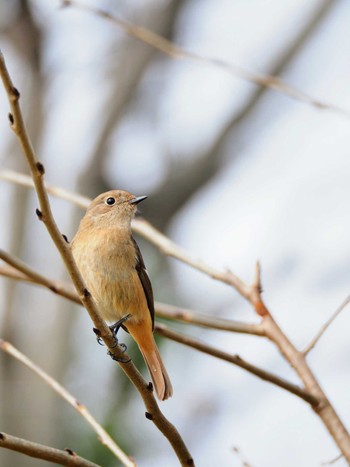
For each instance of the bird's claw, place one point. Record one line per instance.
(123, 347)
(119, 359)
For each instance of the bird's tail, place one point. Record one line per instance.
(156, 368)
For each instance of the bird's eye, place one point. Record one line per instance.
(110, 201)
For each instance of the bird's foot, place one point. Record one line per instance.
(116, 326)
(119, 359)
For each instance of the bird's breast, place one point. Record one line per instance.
(107, 264)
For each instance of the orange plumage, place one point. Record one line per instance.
(112, 267)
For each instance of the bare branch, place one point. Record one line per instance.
(45, 214)
(54, 190)
(167, 47)
(296, 359)
(28, 273)
(326, 325)
(154, 236)
(235, 360)
(164, 310)
(333, 461)
(103, 436)
(252, 294)
(40, 451)
(21, 271)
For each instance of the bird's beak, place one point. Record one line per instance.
(137, 200)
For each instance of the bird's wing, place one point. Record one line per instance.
(145, 281)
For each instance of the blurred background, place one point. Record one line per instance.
(234, 173)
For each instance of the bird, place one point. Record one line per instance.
(112, 267)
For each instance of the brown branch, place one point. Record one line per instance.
(103, 436)
(252, 293)
(235, 360)
(326, 326)
(44, 213)
(21, 271)
(54, 190)
(296, 359)
(29, 274)
(164, 310)
(40, 451)
(169, 311)
(169, 48)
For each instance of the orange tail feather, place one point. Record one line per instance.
(156, 368)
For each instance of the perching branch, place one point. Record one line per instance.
(171, 312)
(40, 451)
(252, 293)
(44, 213)
(19, 270)
(169, 48)
(103, 436)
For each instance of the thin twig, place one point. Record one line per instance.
(40, 451)
(167, 311)
(58, 287)
(103, 436)
(236, 360)
(333, 461)
(45, 214)
(163, 45)
(54, 190)
(326, 326)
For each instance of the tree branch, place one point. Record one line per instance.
(252, 293)
(103, 436)
(37, 170)
(326, 326)
(29, 274)
(236, 360)
(40, 451)
(324, 409)
(21, 271)
(169, 311)
(164, 310)
(169, 48)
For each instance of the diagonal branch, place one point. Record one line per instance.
(252, 293)
(192, 317)
(167, 311)
(103, 436)
(154, 236)
(326, 326)
(19, 270)
(30, 274)
(167, 47)
(236, 360)
(40, 451)
(44, 213)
